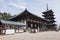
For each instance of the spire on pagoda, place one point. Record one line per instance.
(47, 6)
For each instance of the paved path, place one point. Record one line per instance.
(49, 35)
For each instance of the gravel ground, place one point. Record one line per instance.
(49, 35)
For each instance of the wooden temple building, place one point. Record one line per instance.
(28, 21)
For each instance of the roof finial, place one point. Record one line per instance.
(25, 8)
(47, 6)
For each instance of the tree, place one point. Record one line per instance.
(5, 15)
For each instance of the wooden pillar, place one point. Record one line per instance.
(25, 29)
(15, 28)
(41, 28)
(18, 28)
(34, 28)
(38, 28)
(0, 31)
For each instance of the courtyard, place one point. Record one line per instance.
(47, 35)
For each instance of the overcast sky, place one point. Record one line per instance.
(34, 6)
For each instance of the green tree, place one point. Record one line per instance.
(5, 15)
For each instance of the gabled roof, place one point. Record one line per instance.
(27, 12)
(17, 15)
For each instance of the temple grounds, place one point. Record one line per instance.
(47, 35)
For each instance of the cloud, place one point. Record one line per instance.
(18, 5)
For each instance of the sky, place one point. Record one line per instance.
(34, 6)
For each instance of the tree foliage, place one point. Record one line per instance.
(5, 15)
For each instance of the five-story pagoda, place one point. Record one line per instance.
(49, 15)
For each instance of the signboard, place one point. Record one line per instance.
(10, 31)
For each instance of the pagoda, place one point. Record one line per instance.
(49, 15)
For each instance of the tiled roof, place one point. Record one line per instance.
(12, 22)
(28, 13)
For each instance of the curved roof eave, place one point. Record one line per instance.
(30, 13)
